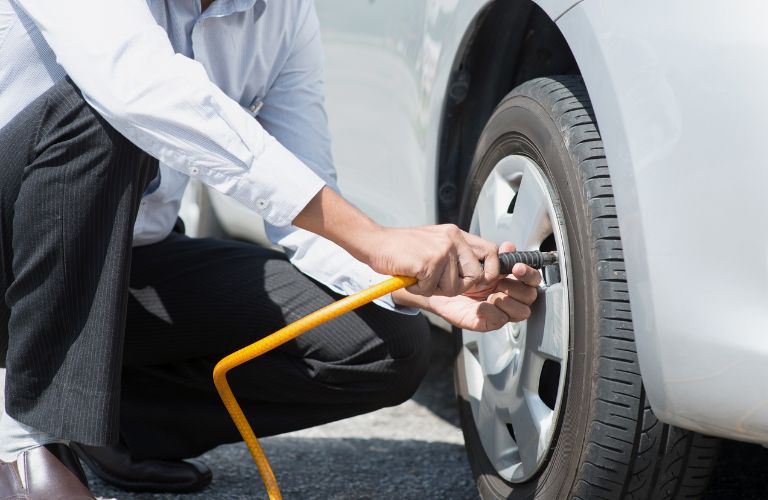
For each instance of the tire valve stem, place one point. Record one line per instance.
(534, 259)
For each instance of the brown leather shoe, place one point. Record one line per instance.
(50, 472)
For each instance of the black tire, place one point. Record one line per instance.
(608, 443)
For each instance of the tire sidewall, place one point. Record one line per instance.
(522, 126)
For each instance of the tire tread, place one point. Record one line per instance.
(631, 454)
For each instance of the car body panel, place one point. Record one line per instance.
(387, 70)
(681, 107)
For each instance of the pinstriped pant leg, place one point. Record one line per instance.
(193, 301)
(70, 187)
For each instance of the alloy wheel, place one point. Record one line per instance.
(516, 375)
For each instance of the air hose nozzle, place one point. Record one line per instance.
(534, 259)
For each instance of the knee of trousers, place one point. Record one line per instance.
(400, 370)
(68, 119)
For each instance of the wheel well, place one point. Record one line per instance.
(509, 43)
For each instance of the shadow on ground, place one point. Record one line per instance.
(432, 464)
(356, 467)
(741, 473)
(339, 469)
(436, 392)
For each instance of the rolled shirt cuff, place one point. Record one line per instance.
(329, 264)
(278, 185)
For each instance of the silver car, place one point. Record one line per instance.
(629, 137)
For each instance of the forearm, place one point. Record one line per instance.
(332, 217)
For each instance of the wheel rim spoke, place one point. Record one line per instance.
(494, 435)
(495, 352)
(475, 377)
(531, 373)
(530, 221)
(530, 420)
(493, 221)
(545, 329)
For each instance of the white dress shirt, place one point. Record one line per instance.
(232, 96)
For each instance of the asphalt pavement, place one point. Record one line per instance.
(412, 451)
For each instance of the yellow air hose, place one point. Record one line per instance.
(277, 339)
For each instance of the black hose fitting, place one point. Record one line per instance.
(535, 259)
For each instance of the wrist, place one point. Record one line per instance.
(362, 239)
(333, 218)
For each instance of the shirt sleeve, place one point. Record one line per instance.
(123, 62)
(294, 113)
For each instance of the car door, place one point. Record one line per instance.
(374, 54)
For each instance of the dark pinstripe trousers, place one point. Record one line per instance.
(106, 342)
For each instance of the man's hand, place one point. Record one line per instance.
(488, 306)
(445, 260)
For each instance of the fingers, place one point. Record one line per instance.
(490, 317)
(517, 290)
(527, 275)
(430, 277)
(507, 247)
(469, 264)
(444, 259)
(444, 254)
(486, 252)
(451, 281)
(514, 299)
(457, 266)
(513, 309)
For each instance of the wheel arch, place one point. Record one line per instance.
(511, 42)
(508, 43)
